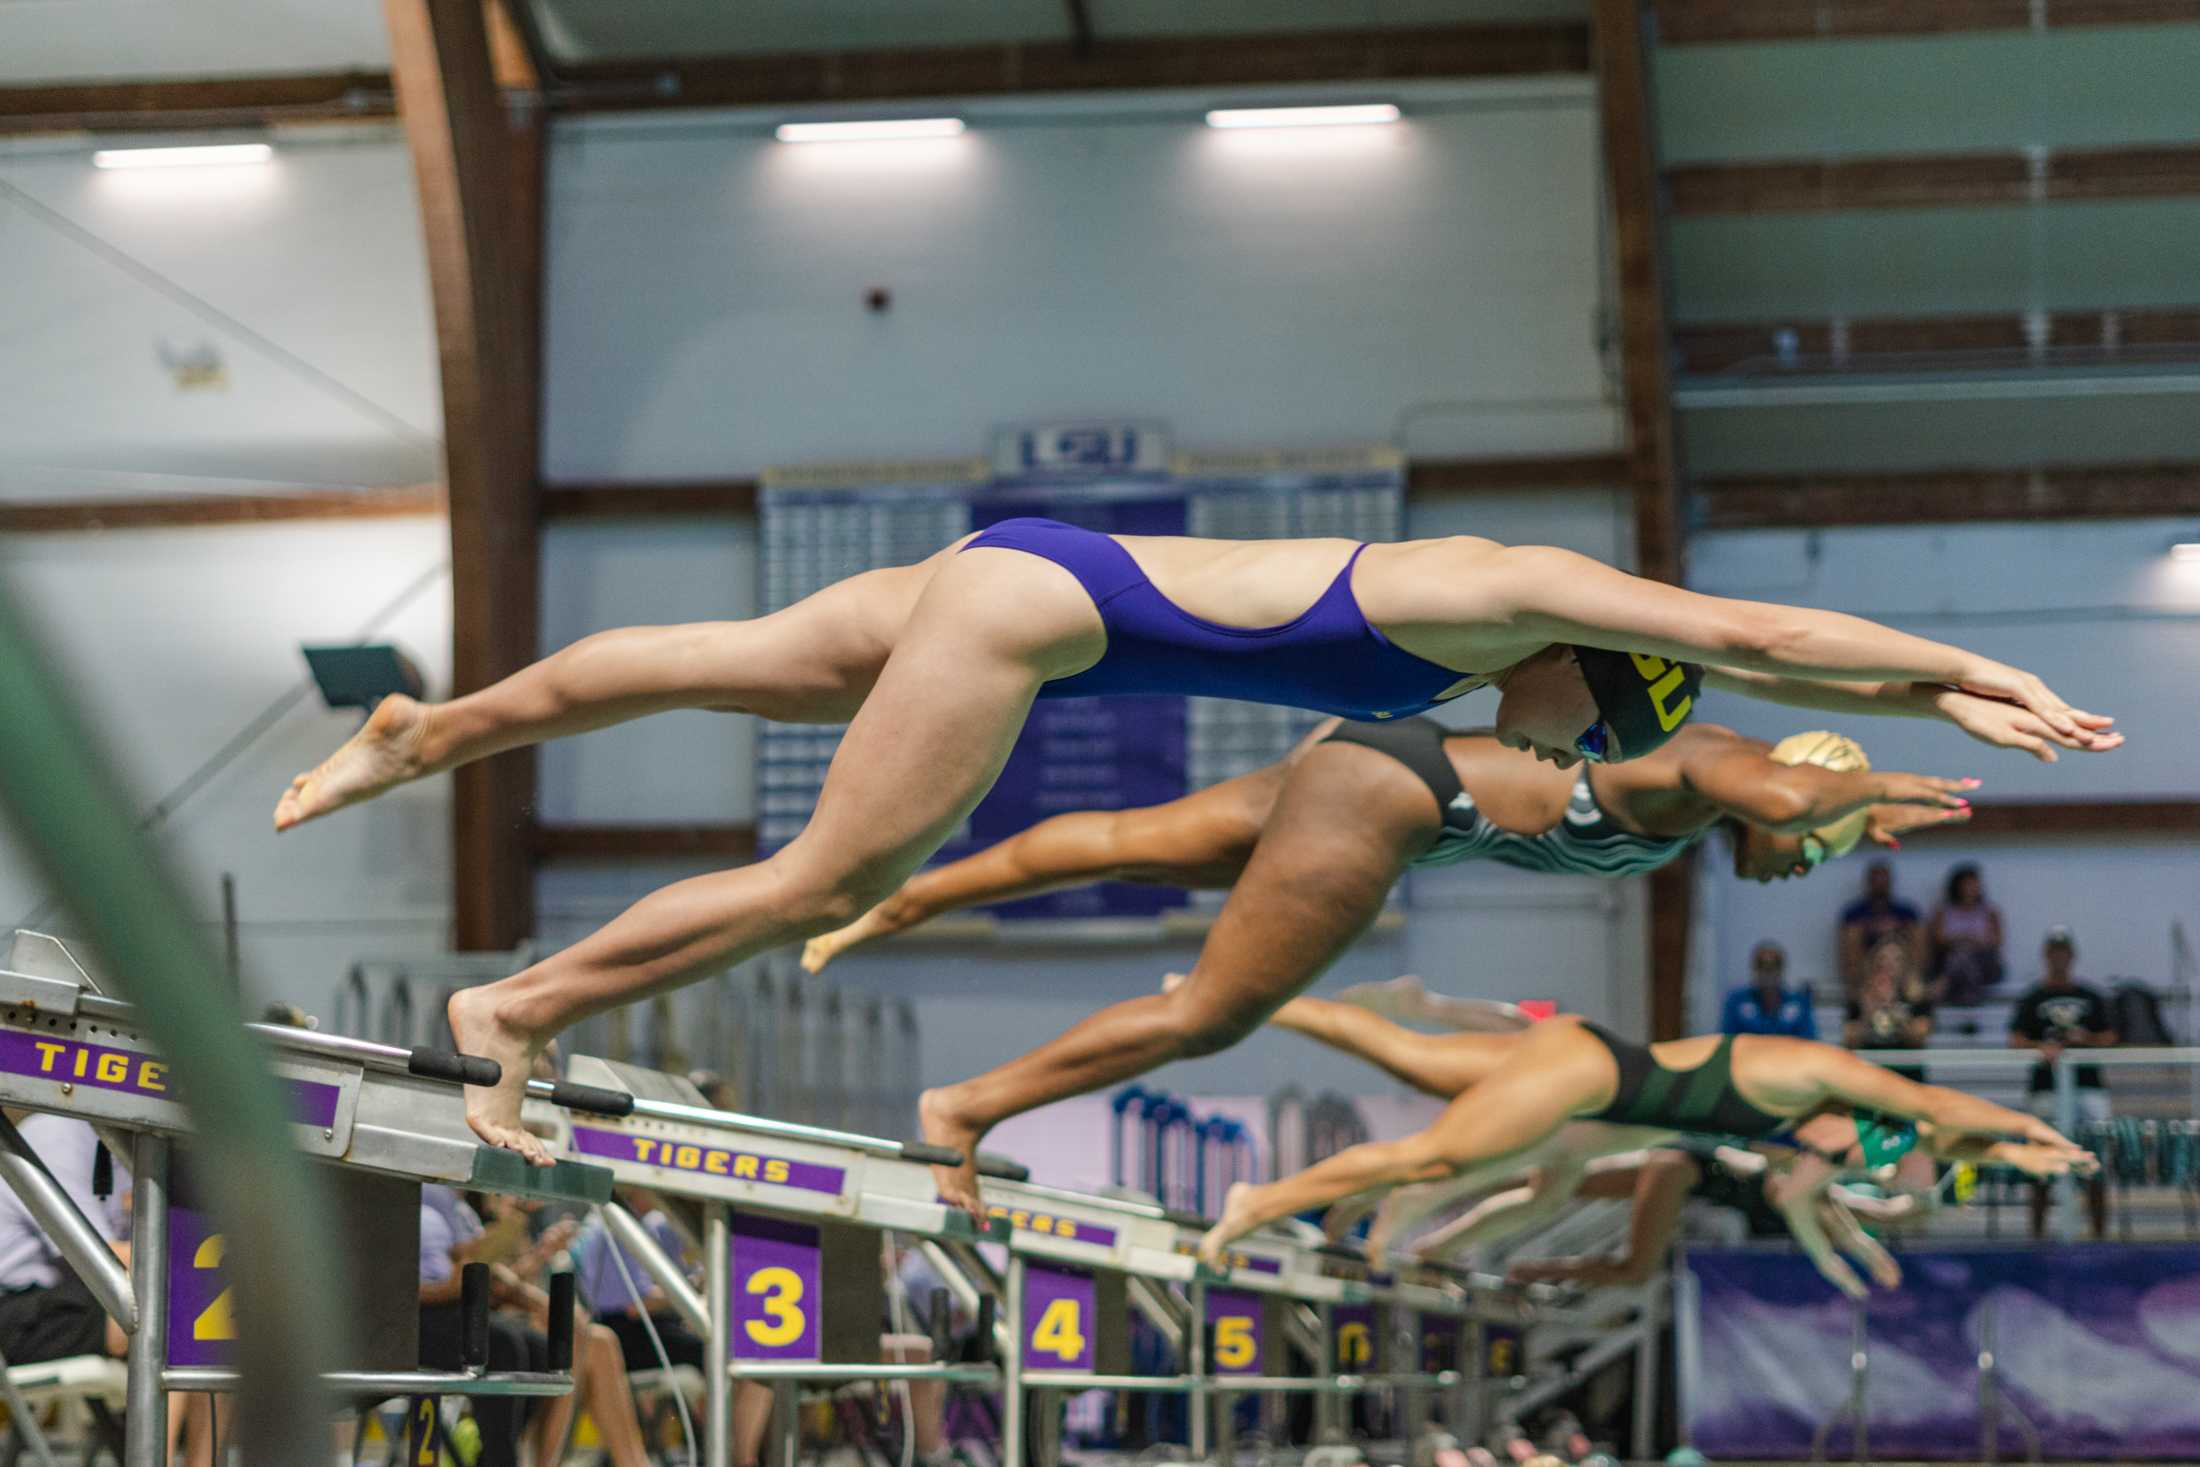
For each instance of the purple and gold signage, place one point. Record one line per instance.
(1235, 1318)
(776, 1275)
(1352, 1327)
(1060, 1307)
(74, 1062)
(732, 1163)
(202, 1329)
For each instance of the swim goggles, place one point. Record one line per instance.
(1593, 742)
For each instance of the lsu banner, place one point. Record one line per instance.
(2098, 1347)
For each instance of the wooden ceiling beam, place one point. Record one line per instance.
(2103, 336)
(162, 106)
(1936, 496)
(1699, 22)
(1106, 63)
(479, 165)
(184, 511)
(1933, 180)
(2065, 819)
(731, 844)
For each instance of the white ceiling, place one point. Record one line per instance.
(71, 40)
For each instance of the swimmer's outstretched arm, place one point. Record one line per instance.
(1657, 1183)
(1989, 720)
(1739, 777)
(1953, 1122)
(1559, 596)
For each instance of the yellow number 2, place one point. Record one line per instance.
(782, 1291)
(1235, 1345)
(216, 1321)
(1058, 1333)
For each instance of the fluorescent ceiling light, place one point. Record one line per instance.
(888, 130)
(196, 157)
(2185, 550)
(1375, 112)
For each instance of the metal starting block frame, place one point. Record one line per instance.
(67, 1049)
(1064, 1253)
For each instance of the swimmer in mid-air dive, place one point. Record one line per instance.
(1792, 1176)
(1527, 1087)
(934, 667)
(1311, 846)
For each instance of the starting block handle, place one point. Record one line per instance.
(593, 1099)
(1002, 1167)
(458, 1069)
(926, 1154)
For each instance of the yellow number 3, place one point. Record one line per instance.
(782, 1291)
(1235, 1346)
(216, 1321)
(1058, 1333)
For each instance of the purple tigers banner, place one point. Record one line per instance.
(2097, 1345)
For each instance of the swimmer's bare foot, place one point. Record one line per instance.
(943, 1125)
(1340, 1220)
(386, 752)
(1238, 1219)
(819, 951)
(494, 1113)
(1380, 1232)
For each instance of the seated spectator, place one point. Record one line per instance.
(46, 1311)
(1893, 1007)
(1965, 938)
(450, 1236)
(1873, 918)
(619, 1305)
(2059, 1013)
(1766, 1005)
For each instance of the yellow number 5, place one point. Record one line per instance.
(1058, 1333)
(782, 1291)
(1235, 1346)
(216, 1321)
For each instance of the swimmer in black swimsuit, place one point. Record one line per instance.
(1750, 1086)
(1792, 1187)
(935, 666)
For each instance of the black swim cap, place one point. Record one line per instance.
(1643, 700)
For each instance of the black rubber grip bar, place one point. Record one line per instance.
(458, 1069)
(1002, 1167)
(591, 1098)
(930, 1155)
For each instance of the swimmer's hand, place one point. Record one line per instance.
(2044, 1162)
(2014, 710)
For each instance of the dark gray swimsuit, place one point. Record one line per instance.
(1586, 842)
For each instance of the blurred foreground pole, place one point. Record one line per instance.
(67, 806)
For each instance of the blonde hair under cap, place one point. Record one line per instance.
(1842, 755)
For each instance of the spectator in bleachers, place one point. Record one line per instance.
(2059, 1013)
(46, 1312)
(1873, 918)
(451, 1236)
(620, 1298)
(1766, 1005)
(1966, 939)
(1893, 1007)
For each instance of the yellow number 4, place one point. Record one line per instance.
(1352, 1343)
(1058, 1333)
(1235, 1346)
(782, 1291)
(218, 1320)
